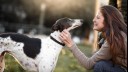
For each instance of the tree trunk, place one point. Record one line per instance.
(121, 5)
(113, 2)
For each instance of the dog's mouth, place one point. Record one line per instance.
(73, 27)
(77, 25)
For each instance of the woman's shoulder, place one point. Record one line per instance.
(105, 44)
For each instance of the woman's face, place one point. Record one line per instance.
(98, 22)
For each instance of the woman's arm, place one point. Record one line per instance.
(88, 63)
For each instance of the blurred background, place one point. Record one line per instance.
(36, 17)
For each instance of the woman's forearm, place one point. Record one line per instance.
(86, 62)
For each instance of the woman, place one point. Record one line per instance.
(112, 56)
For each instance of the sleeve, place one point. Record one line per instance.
(88, 63)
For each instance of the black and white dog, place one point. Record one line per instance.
(33, 54)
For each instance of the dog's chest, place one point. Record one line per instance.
(50, 48)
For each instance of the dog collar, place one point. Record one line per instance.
(57, 41)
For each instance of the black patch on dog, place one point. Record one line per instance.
(31, 47)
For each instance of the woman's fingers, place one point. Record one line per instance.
(66, 38)
(66, 32)
(62, 37)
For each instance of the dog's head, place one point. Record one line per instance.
(66, 23)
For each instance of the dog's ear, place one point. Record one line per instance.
(57, 27)
(54, 27)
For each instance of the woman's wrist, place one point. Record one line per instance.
(71, 44)
(73, 47)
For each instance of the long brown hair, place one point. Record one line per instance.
(114, 25)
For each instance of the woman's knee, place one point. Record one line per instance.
(107, 66)
(100, 66)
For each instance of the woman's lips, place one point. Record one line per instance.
(95, 24)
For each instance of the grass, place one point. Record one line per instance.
(66, 61)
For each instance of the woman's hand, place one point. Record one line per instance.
(65, 36)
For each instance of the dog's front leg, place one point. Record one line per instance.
(2, 64)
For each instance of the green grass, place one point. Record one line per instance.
(66, 61)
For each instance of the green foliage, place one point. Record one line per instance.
(66, 61)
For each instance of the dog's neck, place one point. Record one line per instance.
(56, 35)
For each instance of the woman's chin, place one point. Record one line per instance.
(96, 29)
